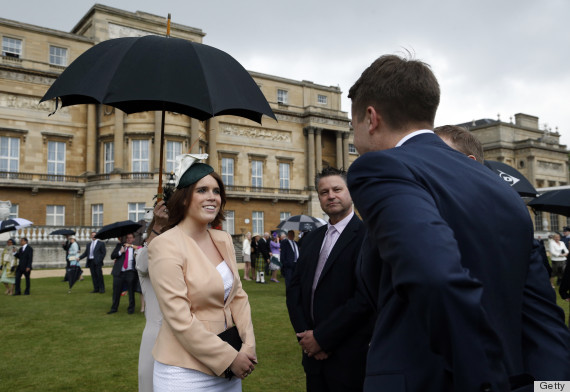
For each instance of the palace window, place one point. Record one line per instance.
(351, 148)
(96, 214)
(282, 96)
(228, 171)
(173, 149)
(553, 222)
(13, 211)
(229, 224)
(140, 156)
(57, 56)
(284, 176)
(538, 221)
(56, 158)
(109, 157)
(9, 154)
(284, 216)
(257, 222)
(322, 99)
(136, 211)
(55, 215)
(11, 47)
(257, 174)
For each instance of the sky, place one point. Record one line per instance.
(492, 58)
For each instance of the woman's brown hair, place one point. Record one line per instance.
(179, 202)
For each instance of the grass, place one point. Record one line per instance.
(54, 341)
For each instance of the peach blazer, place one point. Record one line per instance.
(190, 293)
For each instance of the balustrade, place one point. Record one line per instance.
(40, 234)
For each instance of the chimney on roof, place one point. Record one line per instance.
(526, 120)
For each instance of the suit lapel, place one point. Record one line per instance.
(312, 257)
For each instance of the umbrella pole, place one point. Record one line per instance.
(160, 168)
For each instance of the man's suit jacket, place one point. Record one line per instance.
(466, 303)
(25, 258)
(98, 253)
(263, 248)
(190, 292)
(120, 259)
(287, 255)
(342, 322)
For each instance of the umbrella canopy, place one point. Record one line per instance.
(137, 74)
(14, 224)
(557, 202)
(63, 232)
(73, 274)
(300, 223)
(117, 229)
(512, 177)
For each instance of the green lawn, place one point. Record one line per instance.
(54, 341)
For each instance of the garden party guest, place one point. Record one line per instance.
(95, 253)
(558, 254)
(195, 277)
(9, 264)
(274, 262)
(73, 260)
(246, 253)
(25, 257)
(152, 310)
(124, 273)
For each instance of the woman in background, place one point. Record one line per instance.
(73, 259)
(195, 277)
(275, 252)
(246, 252)
(9, 264)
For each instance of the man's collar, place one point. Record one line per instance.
(411, 135)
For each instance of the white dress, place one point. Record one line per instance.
(169, 378)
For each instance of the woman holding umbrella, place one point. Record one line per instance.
(206, 340)
(73, 259)
(9, 264)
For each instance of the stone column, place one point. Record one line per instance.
(310, 132)
(338, 149)
(319, 150)
(212, 129)
(156, 149)
(194, 136)
(346, 163)
(91, 142)
(119, 141)
(530, 170)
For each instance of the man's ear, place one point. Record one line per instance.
(374, 119)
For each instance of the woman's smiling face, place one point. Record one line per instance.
(206, 200)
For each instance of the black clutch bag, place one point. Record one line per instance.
(231, 336)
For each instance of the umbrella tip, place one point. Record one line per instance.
(168, 26)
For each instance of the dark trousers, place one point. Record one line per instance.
(19, 274)
(97, 276)
(125, 278)
(322, 382)
(287, 272)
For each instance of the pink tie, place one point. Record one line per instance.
(126, 262)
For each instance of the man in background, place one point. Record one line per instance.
(95, 254)
(289, 256)
(124, 273)
(333, 322)
(462, 140)
(25, 257)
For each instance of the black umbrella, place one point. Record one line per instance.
(117, 229)
(14, 224)
(62, 232)
(300, 223)
(512, 177)
(137, 74)
(557, 202)
(73, 274)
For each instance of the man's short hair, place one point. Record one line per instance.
(329, 171)
(462, 140)
(25, 239)
(404, 91)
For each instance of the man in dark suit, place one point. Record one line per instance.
(332, 321)
(289, 255)
(95, 253)
(25, 257)
(124, 273)
(465, 306)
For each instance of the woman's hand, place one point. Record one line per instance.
(243, 365)
(160, 216)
